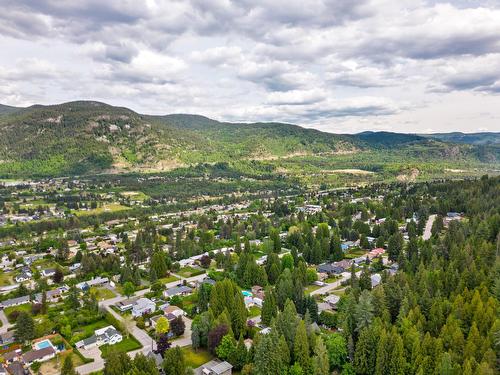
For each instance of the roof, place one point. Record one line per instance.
(33, 355)
(178, 290)
(9, 356)
(14, 301)
(218, 367)
(16, 368)
(143, 303)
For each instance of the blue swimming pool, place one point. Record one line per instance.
(43, 344)
(246, 293)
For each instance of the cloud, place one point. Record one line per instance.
(362, 63)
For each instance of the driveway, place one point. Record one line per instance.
(185, 340)
(97, 365)
(428, 227)
(5, 322)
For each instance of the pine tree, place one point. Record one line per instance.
(269, 308)
(68, 368)
(301, 347)
(365, 282)
(25, 328)
(239, 356)
(321, 365)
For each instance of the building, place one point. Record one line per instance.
(143, 306)
(16, 368)
(97, 281)
(181, 290)
(332, 300)
(217, 367)
(107, 335)
(15, 301)
(126, 304)
(48, 272)
(375, 279)
(330, 269)
(174, 310)
(7, 338)
(40, 355)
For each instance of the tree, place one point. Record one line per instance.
(204, 297)
(117, 363)
(364, 310)
(25, 328)
(158, 264)
(128, 289)
(321, 364)
(178, 326)
(162, 326)
(58, 276)
(394, 246)
(226, 348)
(215, 336)
(301, 347)
(239, 356)
(365, 282)
(68, 368)
(162, 344)
(269, 308)
(173, 362)
(336, 346)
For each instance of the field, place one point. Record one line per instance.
(189, 271)
(253, 312)
(25, 307)
(102, 293)
(197, 358)
(5, 278)
(168, 279)
(126, 345)
(111, 207)
(311, 288)
(88, 330)
(53, 367)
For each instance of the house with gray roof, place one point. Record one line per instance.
(182, 290)
(217, 367)
(15, 301)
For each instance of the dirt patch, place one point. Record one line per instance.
(349, 171)
(410, 176)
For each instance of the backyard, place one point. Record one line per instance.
(126, 345)
(196, 358)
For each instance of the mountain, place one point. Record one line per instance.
(468, 138)
(86, 137)
(7, 109)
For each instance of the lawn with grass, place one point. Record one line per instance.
(168, 279)
(253, 312)
(88, 329)
(111, 207)
(5, 278)
(196, 358)
(126, 345)
(311, 288)
(53, 367)
(190, 271)
(102, 293)
(25, 307)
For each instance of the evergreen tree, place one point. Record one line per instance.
(68, 368)
(301, 347)
(321, 365)
(173, 362)
(24, 328)
(365, 282)
(269, 308)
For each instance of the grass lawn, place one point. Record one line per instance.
(253, 312)
(26, 308)
(331, 279)
(168, 279)
(5, 278)
(311, 288)
(126, 345)
(195, 359)
(189, 271)
(88, 330)
(102, 293)
(111, 207)
(53, 367)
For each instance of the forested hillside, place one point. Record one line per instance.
(91, 137)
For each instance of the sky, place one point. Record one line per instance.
(340, 66)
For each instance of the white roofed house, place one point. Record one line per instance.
(143, 306)
(107, 335)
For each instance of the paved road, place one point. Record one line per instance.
(139, 334)
(428, 227)
(325, 289)
(5, 323)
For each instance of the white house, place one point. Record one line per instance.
(143, 306)
(107, 335)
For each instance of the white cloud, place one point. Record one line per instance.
(369, 64)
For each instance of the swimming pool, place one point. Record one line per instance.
(43, 344)
(246, 293)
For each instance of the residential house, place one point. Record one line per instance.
(16, 368)
(332, 300)
(143, 306)
(174, 310)
(126, 304)
(12, 356)
(375, 279)
(107, 335)
(48, 272)
(217, 367)
(330, 269)
(15, 301)
(24, 275)
(40, 355)
(74, 267)
(7, 338)
(96, 281)
(181, 290)
(258, 291)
